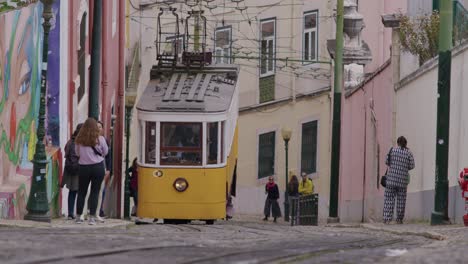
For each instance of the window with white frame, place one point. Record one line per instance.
(310, 41)
(267, 47)
(223, 45)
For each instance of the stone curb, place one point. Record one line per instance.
(63, 224)
(426, 234)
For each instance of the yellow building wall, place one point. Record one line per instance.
(250, 190)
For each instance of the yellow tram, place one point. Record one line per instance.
(187, 142)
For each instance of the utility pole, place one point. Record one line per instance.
(435, 5)
(38, 204)
(440, 213)
(336, 124)
(93, 110)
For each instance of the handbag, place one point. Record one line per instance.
(383, 179)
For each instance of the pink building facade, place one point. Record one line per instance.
(367, 121)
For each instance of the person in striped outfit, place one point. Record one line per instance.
(399, 161)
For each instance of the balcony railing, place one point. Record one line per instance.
(135, 68)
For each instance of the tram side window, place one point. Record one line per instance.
(181, 144)
(150, 147)
(212, 143)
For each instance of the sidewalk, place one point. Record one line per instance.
(63, 223)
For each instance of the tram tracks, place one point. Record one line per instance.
(100, 253)
(285, 256)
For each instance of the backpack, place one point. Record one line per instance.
(71, 158)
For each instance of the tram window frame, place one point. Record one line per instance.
(150, 127)
(209, 140)
(223, 131)
(180, 149)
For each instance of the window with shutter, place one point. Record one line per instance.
(223, 45)
(266, 154)
(309, 147)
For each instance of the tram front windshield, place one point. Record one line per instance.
(181, 144)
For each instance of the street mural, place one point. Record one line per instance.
(20, 66)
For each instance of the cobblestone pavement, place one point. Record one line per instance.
(244, 240)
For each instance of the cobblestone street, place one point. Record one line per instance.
(238, 241)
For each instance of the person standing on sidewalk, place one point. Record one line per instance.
(133, 170)
(293, 195)
(399, 161)
(271, 203)
(306, 186)
(107, 175)
(70, 172)
(91, 148)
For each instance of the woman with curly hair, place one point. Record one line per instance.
(91, 148)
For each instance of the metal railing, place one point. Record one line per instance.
(460, 23)
(304, 210)
(135, 68)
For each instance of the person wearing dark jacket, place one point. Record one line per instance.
(271, 203)
(133, 170)
(70, 172)
(293, 193)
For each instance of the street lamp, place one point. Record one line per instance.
(286, 134)
(38, 204)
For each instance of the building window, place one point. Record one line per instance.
(212, 143)
(310, 36)
(266, 154)
(267, 47)
(150, 140)
(82, 58)
(309, 147)
(223, 45)
(181, 144)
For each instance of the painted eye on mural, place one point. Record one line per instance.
(26, 78)
(24, 87)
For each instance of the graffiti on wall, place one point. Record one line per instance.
(20, 66)
(53, 79)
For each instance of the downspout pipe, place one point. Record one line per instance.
(119, 108)
(105, 67)
(93, 104)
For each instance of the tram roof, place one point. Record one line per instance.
(190, 89)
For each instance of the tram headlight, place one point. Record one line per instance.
(180, 184)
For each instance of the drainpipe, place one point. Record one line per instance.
(105, 83)
(119, 109)
(291, 44)
(71, 84)
(365, 159)
(93, 103)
